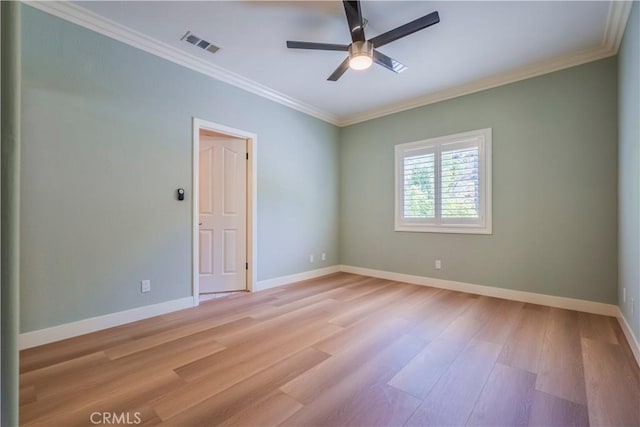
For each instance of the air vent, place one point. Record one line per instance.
(197, 41)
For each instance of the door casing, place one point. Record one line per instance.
(252, 167)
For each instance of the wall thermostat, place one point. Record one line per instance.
(180, 193)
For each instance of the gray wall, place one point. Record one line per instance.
(554, 188)
(629, 168)
(107, 140)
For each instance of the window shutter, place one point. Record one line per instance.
(459, 183)
(419, 186)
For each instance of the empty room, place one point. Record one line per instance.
(320, 213)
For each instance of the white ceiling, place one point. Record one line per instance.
(476, 43)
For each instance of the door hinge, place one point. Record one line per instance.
(246, 265)
(247, 156)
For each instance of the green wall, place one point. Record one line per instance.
(107, 141)
(629, 168)
(554, 188)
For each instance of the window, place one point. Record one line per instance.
(443, 185)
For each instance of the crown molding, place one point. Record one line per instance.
(513, 76)
(616, 23)
(617, 18)
(87, 19)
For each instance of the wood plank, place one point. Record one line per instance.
(118, 393)
(271, 411)
(561, 372)
(501, 322)
(64, 368)
(62, 351)
(276, 325)
(369, 335)
(553, 411)
(382, 406)
(452, 399)
(337, 404)
(346, 360)
(235, 365)
(240, 304)
(462, 329)
(442, 310)
(358, 289)
(273, 311)
(127, 412)
(161, 358)
(523, 347)
(215, 326)
(613, 395)
(420, 375)
(27, 394)
(597, 328)
(371, 303)
(624, 347)
(413, 308)
(252, 390)
(244, 347)
(315, 286)
(506, 398)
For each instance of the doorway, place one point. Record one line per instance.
(224, 209)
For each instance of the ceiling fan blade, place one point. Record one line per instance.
(388, 63)
(354, 18)
(317, 46)
(340, 70)
(406, 29)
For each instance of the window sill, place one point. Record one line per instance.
(444, 229)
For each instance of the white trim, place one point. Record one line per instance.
(98, 323)
(252, 201)
(628, 333)
(510, 294)
(292, 278)
(92, 21)
(616, 23)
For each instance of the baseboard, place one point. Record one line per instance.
(530, 297)
(93, 324)
(628, 333)
(298, 277)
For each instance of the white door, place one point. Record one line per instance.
(223, 214)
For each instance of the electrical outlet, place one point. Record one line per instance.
(145, 286)
(311, 258)
(438, 264)
(624, 295)
(324, 256)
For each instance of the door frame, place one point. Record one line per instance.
(252, 198)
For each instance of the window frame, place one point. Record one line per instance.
(482, 138)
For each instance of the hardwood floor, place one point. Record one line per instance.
(341, 350)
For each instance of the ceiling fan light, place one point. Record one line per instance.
(360, 55)
(361, 62)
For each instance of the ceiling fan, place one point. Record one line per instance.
(362, 52)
